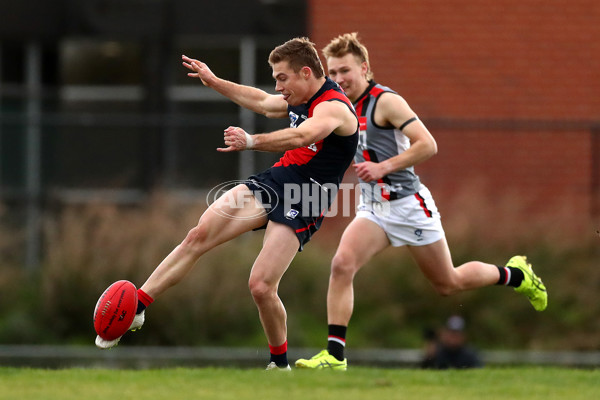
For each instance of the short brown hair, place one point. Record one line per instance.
(298, 52)
(348, 43)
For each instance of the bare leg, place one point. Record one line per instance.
(436, 263)
(226, 218)
(279, 248)
(361, 240)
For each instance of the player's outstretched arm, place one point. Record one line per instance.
(257, 100)
(328, 117)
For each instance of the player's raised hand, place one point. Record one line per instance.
(199, 70)
(236, 139)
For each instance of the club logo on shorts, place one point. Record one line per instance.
(292, 214)
(419, 234)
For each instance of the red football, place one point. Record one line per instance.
(115, 310)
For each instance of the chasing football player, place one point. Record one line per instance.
(396, 209)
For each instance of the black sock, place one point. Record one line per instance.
(279, 354)
(280, 359)
(336, 341)
(141, 307)
(510, 276)
(144, 300)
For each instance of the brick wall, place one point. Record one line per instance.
(510, 90)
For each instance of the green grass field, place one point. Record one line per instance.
(357, 383)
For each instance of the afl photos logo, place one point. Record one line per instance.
(229, 201)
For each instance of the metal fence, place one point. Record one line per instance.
(79, 140)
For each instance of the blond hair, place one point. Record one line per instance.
(348, 43)
(298, 52)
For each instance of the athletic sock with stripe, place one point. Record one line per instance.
(279, 354)
(510, 276)
(144, 300)
(336, 341)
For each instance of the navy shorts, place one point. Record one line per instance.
(299, 204)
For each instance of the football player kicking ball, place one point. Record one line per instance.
(396, 208)
(319, 147)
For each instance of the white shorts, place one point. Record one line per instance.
(412, 220)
